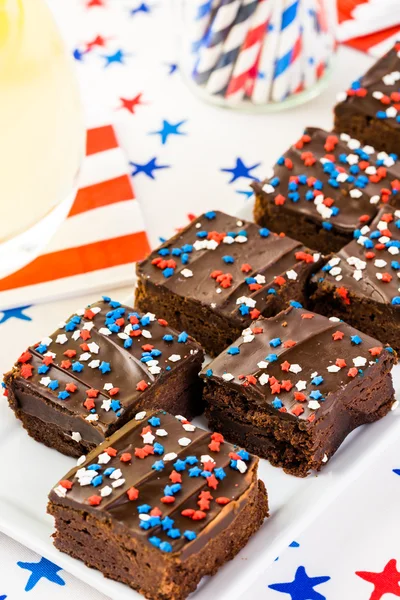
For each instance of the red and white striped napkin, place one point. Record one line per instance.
(372, 26)
(96, 246)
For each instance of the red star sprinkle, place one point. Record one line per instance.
(214, 446)
(280, 200)
(162, 322)
(343, 294)
(155, 512)
(307, 316)
(198, 515)
(26, 371)
(92, 393)
(114, 391)
(111, 451)
(132, 493)
(338, 335)
(65, 483)
(94, 500)
(297, 410)
(188, 512)
(386, 278)
(222, 500)
(25, 356)
(142, 385)
(289, 344)
(168, 499)
(254, 314)
(376, 350)
(88, 314)
(175, 477)
(279, 280)
(217, 437)
(47, 360)
(352, 372)
(212, 482)
(300, 397)
(140, 453)
(70, 353)
(385, 582)
(125, 457)
(340, 362)
(147, 347)
(285, 366)
(89, 404)
(71, 387)
(85, 334)
(65, 364)
(245, 268)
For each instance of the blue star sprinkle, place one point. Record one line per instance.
(117, 57)
(147, 168)
(142, 8)
(43, 569)
(240, 170)
(246, 193)
(302, 587)
(15, 313)
(168, 129)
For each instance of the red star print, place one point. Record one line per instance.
(130, 104)
(386, 582)
(91, 3)
(99, 40)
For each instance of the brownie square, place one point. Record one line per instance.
(361, 285)
(369, 109)
(324, 188)
(219, 273)
(159, 505)
(292, 387)
(100, 367)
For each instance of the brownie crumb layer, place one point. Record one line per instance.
(294, 386)
(159, 521)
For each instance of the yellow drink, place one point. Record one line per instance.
(41, 127)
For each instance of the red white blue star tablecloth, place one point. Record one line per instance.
(187, 157)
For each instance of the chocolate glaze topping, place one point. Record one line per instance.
(369, 265)
(295, 363)
(154, 469)
(228, 264)
(377, 92)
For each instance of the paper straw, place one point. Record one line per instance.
(249, 52)
(265, 67)
(221, 75)
(289, 47)
(199, 17)
(210, 50)
(311, 43)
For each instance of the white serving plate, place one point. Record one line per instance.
(30, 469)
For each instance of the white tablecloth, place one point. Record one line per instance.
(208, 157)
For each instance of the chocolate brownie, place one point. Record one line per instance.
(219, 273)
(361, 283)
(159, 505)
(324, 188)
(102, 365)
(369, 109)
(292, 387)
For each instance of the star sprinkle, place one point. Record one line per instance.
(147, 168)
(143, 7)
(384, 582)
(43, 569)
(168, 129)
(240, 170)
(302, 587)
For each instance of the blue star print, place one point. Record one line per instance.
(143, 7)
(117, 57)
(240, 170)
(43, 569)
(78, 54)
(246, 193)
(302, 587)
(172, 68)
(397, 471)
(169, 129)
(147, 168)
(3, 597)
(15, 313)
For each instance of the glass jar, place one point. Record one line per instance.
(42, 132)
(257, 54)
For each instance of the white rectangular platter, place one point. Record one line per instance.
(30, 469)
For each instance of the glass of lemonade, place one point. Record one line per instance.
(42, 135)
